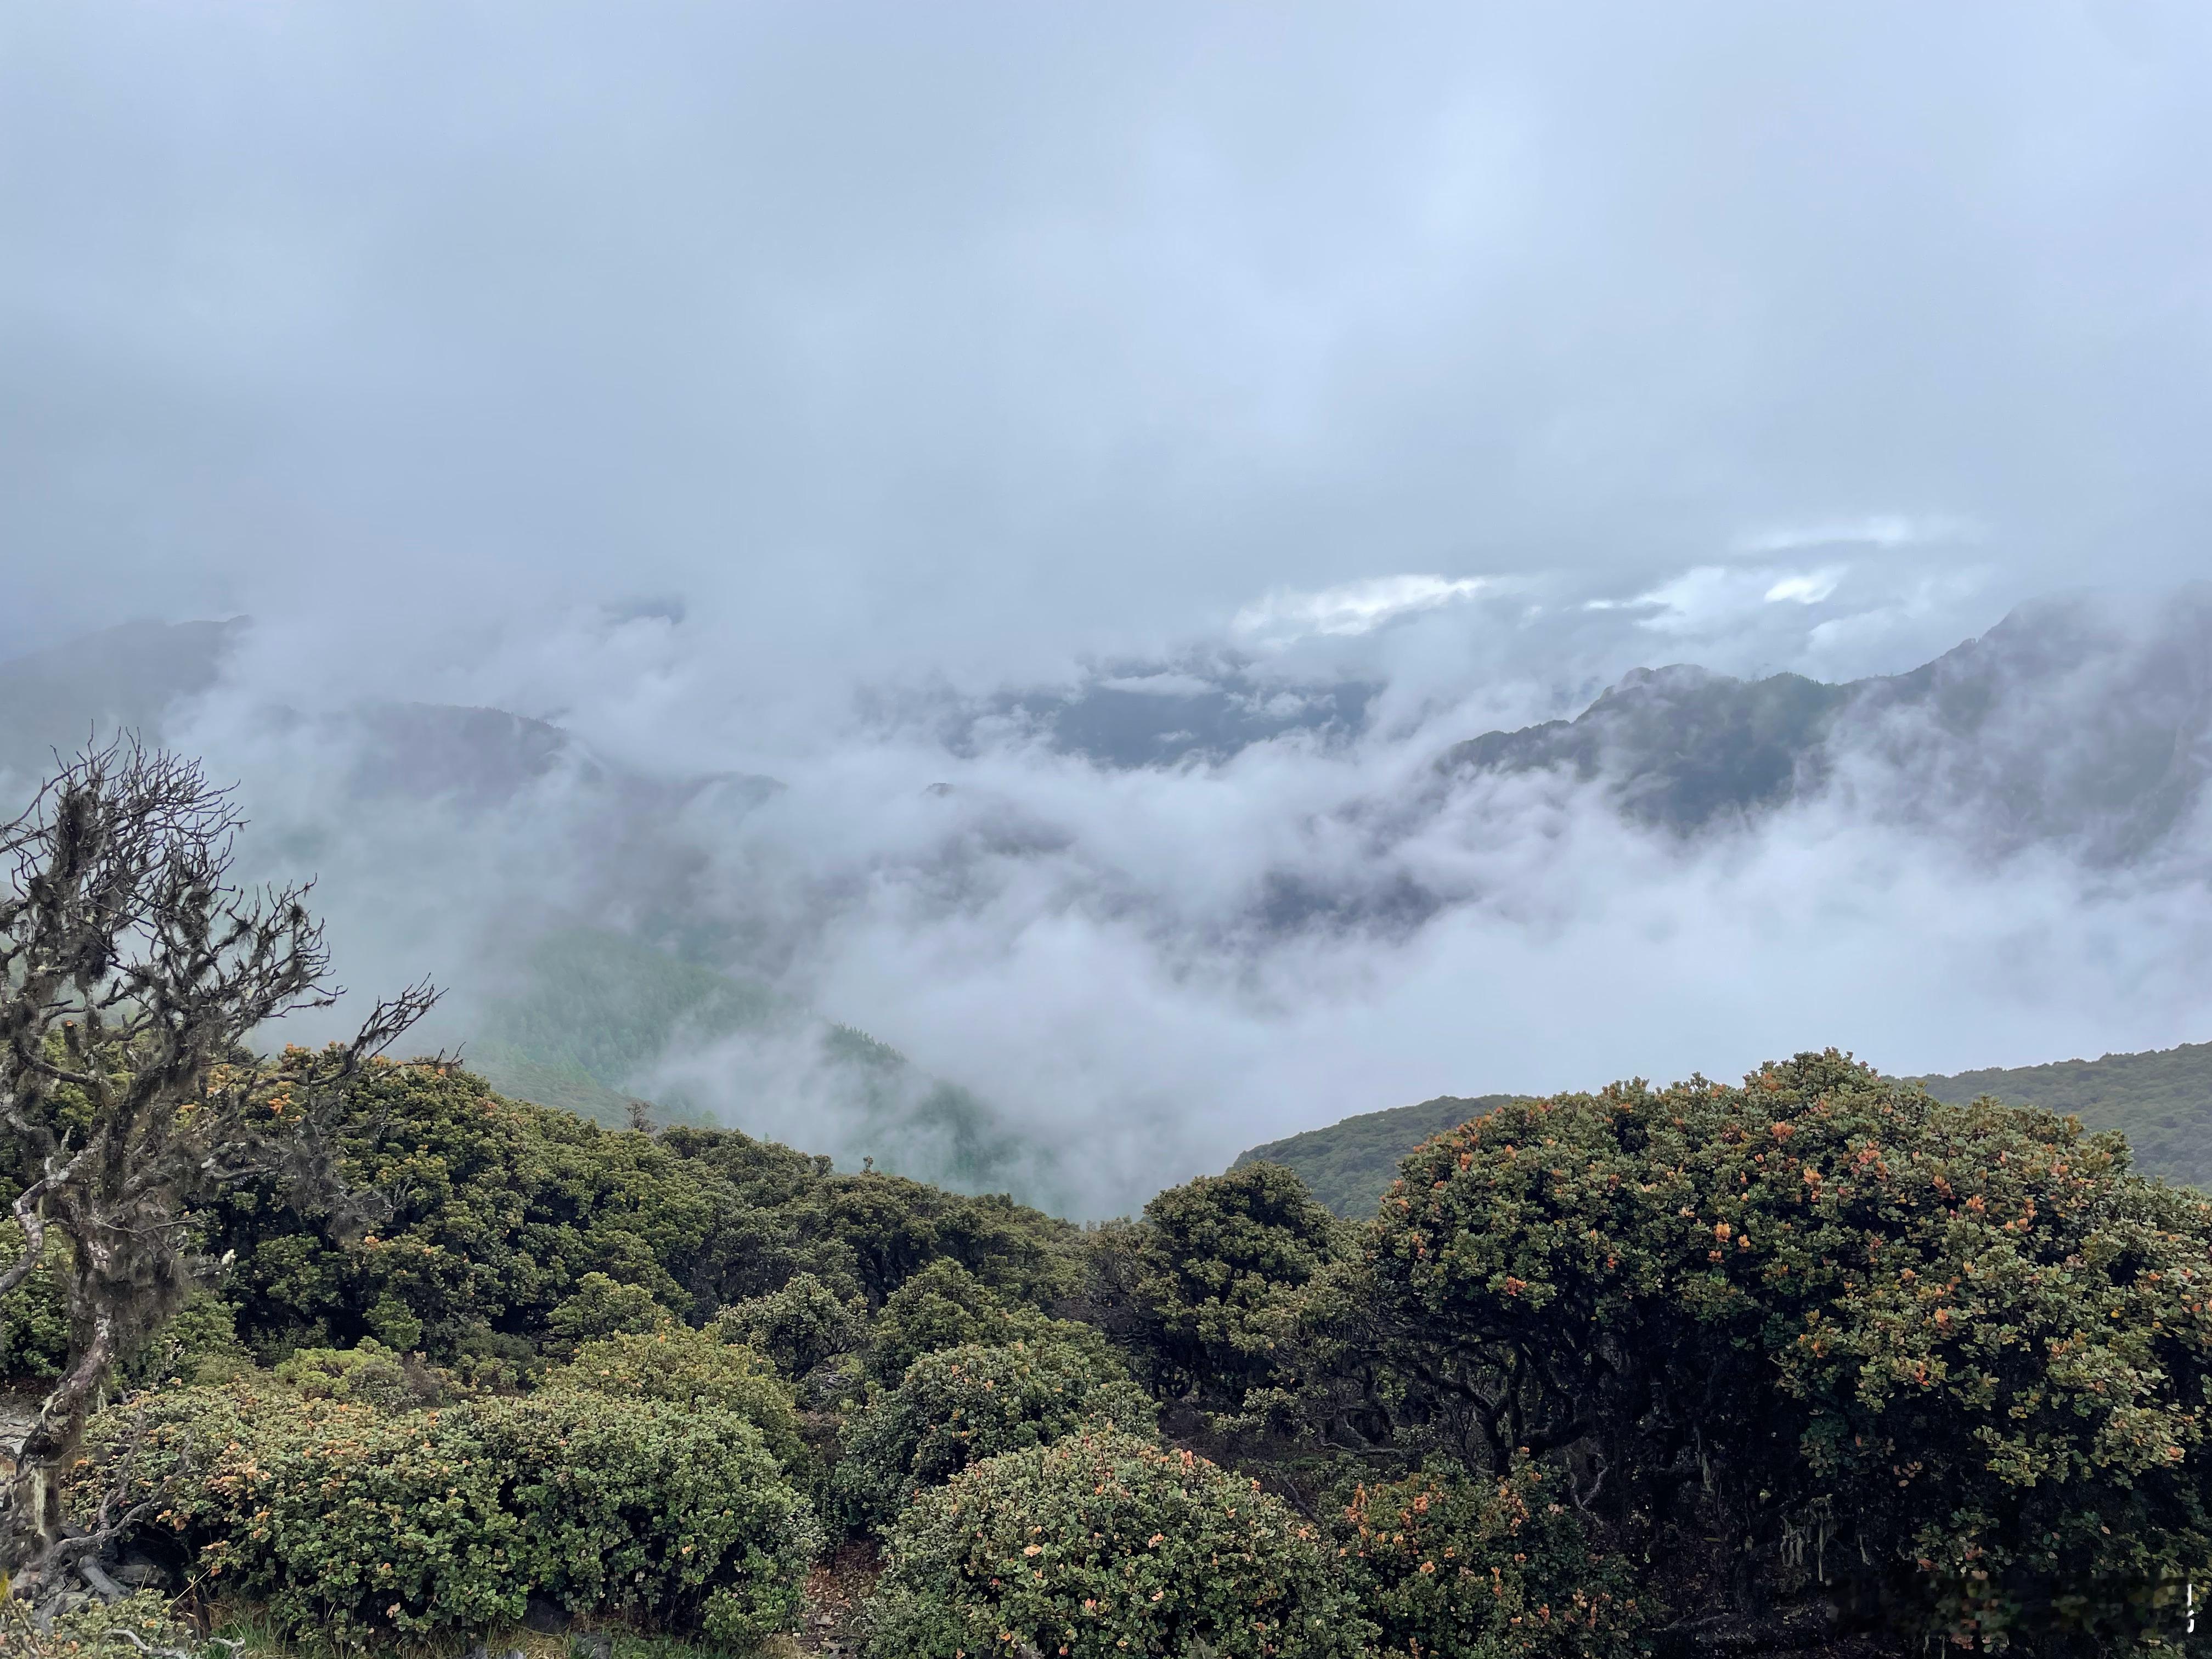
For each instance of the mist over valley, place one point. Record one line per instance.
(1077, 939)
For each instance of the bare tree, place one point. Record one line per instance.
(132, 969)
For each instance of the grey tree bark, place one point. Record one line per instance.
(132, 972)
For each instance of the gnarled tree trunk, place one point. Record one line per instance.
(131, 973)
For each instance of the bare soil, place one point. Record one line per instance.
(835, 1590)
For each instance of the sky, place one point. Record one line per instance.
(933, 334)
(706, 377)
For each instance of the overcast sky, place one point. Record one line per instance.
(967, 332)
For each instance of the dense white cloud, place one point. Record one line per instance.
(1148, 967)
(1805, 586)
(1360, 607)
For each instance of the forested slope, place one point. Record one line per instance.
(2161, 1100)
(1348, 1165)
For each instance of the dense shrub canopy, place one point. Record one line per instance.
(686, 1367)
(800, 1328)
(945, 1306)
(370, 1524)
(1102, 1544)
(1485, 1568)
(1952, 1361)
(942, 1306)
(497, 1211)
(670, 1512)
(506, 1223)
(1814, 1348)
(895, 1228)
(1216, 1259)
(965, 1404)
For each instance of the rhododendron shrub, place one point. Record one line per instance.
(1951, 1366)
(960, 1406)
(349, 1521)
(1487, 1569)
(1100, 1546)
(687, 1367)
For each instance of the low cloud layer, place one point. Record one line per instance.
(1144, 968)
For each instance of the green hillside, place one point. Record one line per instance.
(594, 1004)
(587, 1012)
(2161, 1101)
(1350, 1164)
(562, 1084)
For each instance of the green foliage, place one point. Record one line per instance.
(199, 1345)
(34, 1319)
(370, 1525)
(942, 1306)
(1102, 1544)
(370, 1375)
(493, 1214)
(100, 1628)
(671, 1513)
(1947, 1367)
(685, 1367)
(1350, 1164)
(1485, 1569)
(601, 1307)
(338, 1515)
(1954, 1359)
(496, 1211)
(895, 1228)
(800, 1327)
(965, 1404)
(2161, 1101)
(1216, 1261)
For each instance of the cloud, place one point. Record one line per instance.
(1165, 684)
(1133, 978)
(1712, 599)
(1146, 967)
(1882, 530)
(1806, 587)
(1058, 335)
(1352, 608)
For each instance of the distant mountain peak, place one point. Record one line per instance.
(2076, 719)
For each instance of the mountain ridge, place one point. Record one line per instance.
(2076, 719)
(2161, 1099)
